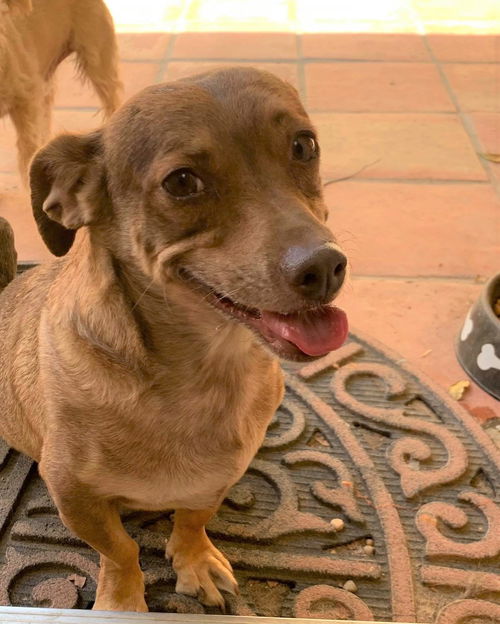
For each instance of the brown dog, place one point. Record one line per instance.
(140, 369)
(35, 36)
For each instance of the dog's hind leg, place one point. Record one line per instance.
(97, 53)
(46, 112)
(97, 521)
(8, 255)
(27, 119)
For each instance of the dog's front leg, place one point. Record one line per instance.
(97, 522)
(200, 567)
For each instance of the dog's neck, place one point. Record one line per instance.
(177, 319)
(174, 326)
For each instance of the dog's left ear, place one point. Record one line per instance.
(67, 188)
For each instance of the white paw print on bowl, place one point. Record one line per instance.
(467, 328)
(488, 358)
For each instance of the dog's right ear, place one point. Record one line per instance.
(66, 179)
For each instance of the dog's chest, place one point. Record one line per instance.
(183, 439)
(183, 474)
(194, 486)
(178, 458)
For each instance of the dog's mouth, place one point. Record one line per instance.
(301, 335)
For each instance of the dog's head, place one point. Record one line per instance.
(210, 183)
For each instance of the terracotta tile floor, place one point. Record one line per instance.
(405, 94)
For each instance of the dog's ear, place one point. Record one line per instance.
(67, 188)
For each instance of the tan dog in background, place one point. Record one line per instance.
(35, 36)
(140, 369)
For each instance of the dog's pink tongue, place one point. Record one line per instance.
(316, 332)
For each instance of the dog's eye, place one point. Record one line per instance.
(305, 147)
(183, 183)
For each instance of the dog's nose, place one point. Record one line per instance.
(317, 273)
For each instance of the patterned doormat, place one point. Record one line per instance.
(373, 498)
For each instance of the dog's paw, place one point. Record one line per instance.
(202, 572)
(125, 603)
(120, 590)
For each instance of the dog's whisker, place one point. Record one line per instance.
(142, 294)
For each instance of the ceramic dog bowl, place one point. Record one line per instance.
(478, 346)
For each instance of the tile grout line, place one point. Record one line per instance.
(321, 60)
(178, 28)
(464, 118)
(421, 279)
(422, 29)
(80, 109)
(145, 61)
(381, 112)
(323, 111)
(163, 65)
(421, 181)
(217, 59)
(313, 111)
(419, 24)
(292, 20)
(305, 60)
(469, 279)
(301, 72)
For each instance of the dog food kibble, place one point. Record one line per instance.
(456, 391)
(350, 586)
(496, 307)
(337, 524)
(369, 550)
